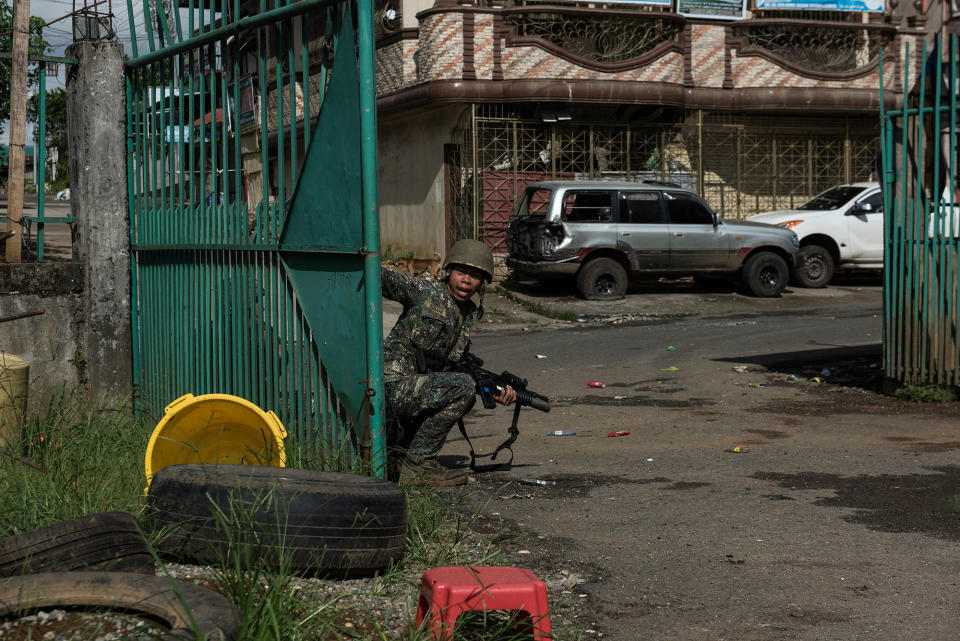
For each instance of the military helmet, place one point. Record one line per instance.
(471, 253)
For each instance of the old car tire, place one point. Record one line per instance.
(765, 274)
(187, 609)
(602, 279)
(316, 522)
(815, 268)
(103, 541)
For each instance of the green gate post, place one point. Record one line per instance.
(371, 234)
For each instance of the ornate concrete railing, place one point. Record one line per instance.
(824, 48)
(606, 37)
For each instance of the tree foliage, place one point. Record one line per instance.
(38, 47)
(55, 110)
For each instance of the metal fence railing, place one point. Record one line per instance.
(253, 215)
(33, 226)
(922, 233)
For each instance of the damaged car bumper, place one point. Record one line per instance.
(567, 266)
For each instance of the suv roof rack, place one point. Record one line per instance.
(662, 184)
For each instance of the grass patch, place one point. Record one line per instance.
(928, 393)
(91, 460)
(536, 308)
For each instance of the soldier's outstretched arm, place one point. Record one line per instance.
(399, 286)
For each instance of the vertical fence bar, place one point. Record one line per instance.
(281, 201)
(223, 194)
(147, 20)
(938, 241)
(132, 23)
(132, 212)
(163, 220)
(292, 73)
(239, 204)
(40, 157)
(951, 316)
(262, 208)
(305, 70)
(902, 212)
(916, 349)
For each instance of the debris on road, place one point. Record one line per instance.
(561, 433)
(541, 355)
(619, 433)
(672, 368)
(598, 384)
(740, 369)
(739, 449)
(537, 482)
(671, 348)
(619, 397)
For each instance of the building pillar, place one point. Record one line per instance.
(96, 125)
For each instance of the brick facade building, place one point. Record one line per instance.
(476, 99)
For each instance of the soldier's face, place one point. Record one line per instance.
(463, 284)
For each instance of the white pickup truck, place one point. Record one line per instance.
(843, 226)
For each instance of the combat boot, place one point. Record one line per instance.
(429, 473)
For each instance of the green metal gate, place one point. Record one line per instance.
(921, 287)
(253, 215)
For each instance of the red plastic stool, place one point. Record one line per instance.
(447, 592)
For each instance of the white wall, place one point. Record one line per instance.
(411, 189)
(409, 10)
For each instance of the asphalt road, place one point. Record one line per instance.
(839, 522)
(57, 240)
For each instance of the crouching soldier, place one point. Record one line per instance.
(437, 319)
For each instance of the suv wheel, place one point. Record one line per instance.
(765, 274)
(602, 279)
(815, 268)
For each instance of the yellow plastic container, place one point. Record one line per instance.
(215, 428)
(14, 380)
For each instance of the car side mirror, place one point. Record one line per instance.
(861, 208)
(716, 219)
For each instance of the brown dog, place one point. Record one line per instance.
(417, 266)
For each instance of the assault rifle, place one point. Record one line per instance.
(488, 385)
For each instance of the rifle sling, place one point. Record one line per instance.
(506, 445)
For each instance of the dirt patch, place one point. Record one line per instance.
(927, 503)
(835, 399)
(770, 434)
(567, 485)
(687, 485)
(647, 401)
(932, 448)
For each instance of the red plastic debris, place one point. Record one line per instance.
(596, 384)
(618, 433)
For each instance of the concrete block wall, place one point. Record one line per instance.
(52, 342)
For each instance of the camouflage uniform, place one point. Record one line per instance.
(433, 322)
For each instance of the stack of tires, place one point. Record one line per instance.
(303, 521)
(102, 561)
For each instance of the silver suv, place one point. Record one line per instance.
(602, 232)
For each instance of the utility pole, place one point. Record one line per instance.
(18, 125)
